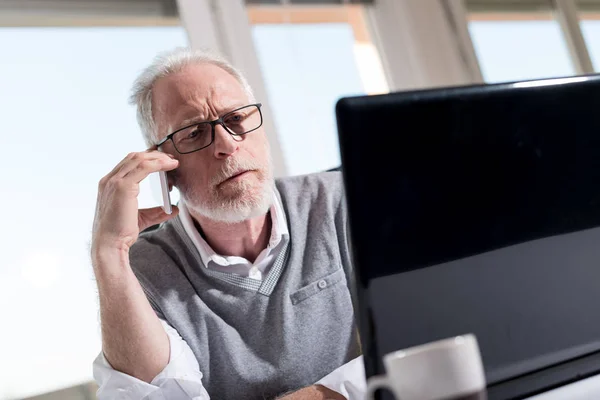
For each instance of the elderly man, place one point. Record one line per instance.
(241, 293)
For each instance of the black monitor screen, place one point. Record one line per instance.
(476, 210)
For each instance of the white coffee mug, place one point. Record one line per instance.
(446, 369)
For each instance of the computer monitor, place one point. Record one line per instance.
(477, 209)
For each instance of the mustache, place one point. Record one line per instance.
(233, 166)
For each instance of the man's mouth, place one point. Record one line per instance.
(236, 176)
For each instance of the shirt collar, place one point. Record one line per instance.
(279, 229)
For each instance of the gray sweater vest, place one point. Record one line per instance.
(253, 339)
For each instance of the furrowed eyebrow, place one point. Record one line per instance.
(197, 120)
(190, 121)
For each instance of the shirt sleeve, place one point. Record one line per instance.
(348, 380)
(180, 379)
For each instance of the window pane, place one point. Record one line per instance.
(590, 27)
(65, 123)
(319, 2)
(307, 67)
(525, 47)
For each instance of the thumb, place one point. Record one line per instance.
(154, 216)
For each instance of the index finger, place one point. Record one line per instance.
(154, 148)
(148, 166)
(123, 163)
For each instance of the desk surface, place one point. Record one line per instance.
(584, 389)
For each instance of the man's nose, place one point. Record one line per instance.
(225, 144)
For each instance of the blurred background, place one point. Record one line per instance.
(66, 68)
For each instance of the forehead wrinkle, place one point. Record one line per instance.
(218, 103)
(183, 104)
(202, 101)
(224, 98)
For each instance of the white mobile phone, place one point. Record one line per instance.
(160, 190)
(164, 189)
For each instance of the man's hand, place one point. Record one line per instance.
(133, 339)
(316, 392)
(118, 221)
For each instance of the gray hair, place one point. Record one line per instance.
(167, 63)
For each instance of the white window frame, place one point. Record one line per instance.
(567, 13)
(436, 48)
(568, 18)
(424, 43)
(223, 25)
(36, 13)
(421, 43)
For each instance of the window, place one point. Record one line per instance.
(65, 123)
(310, 57)
(515, 46)
(590, 28)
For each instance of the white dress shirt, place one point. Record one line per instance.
(181, 378)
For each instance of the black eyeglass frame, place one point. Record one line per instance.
(212, 124)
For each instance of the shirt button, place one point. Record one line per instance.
(255, 273)
(322, 284)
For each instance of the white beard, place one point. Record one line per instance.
(232, 211)
(247, 201)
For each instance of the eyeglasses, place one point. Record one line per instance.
(201, 135)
